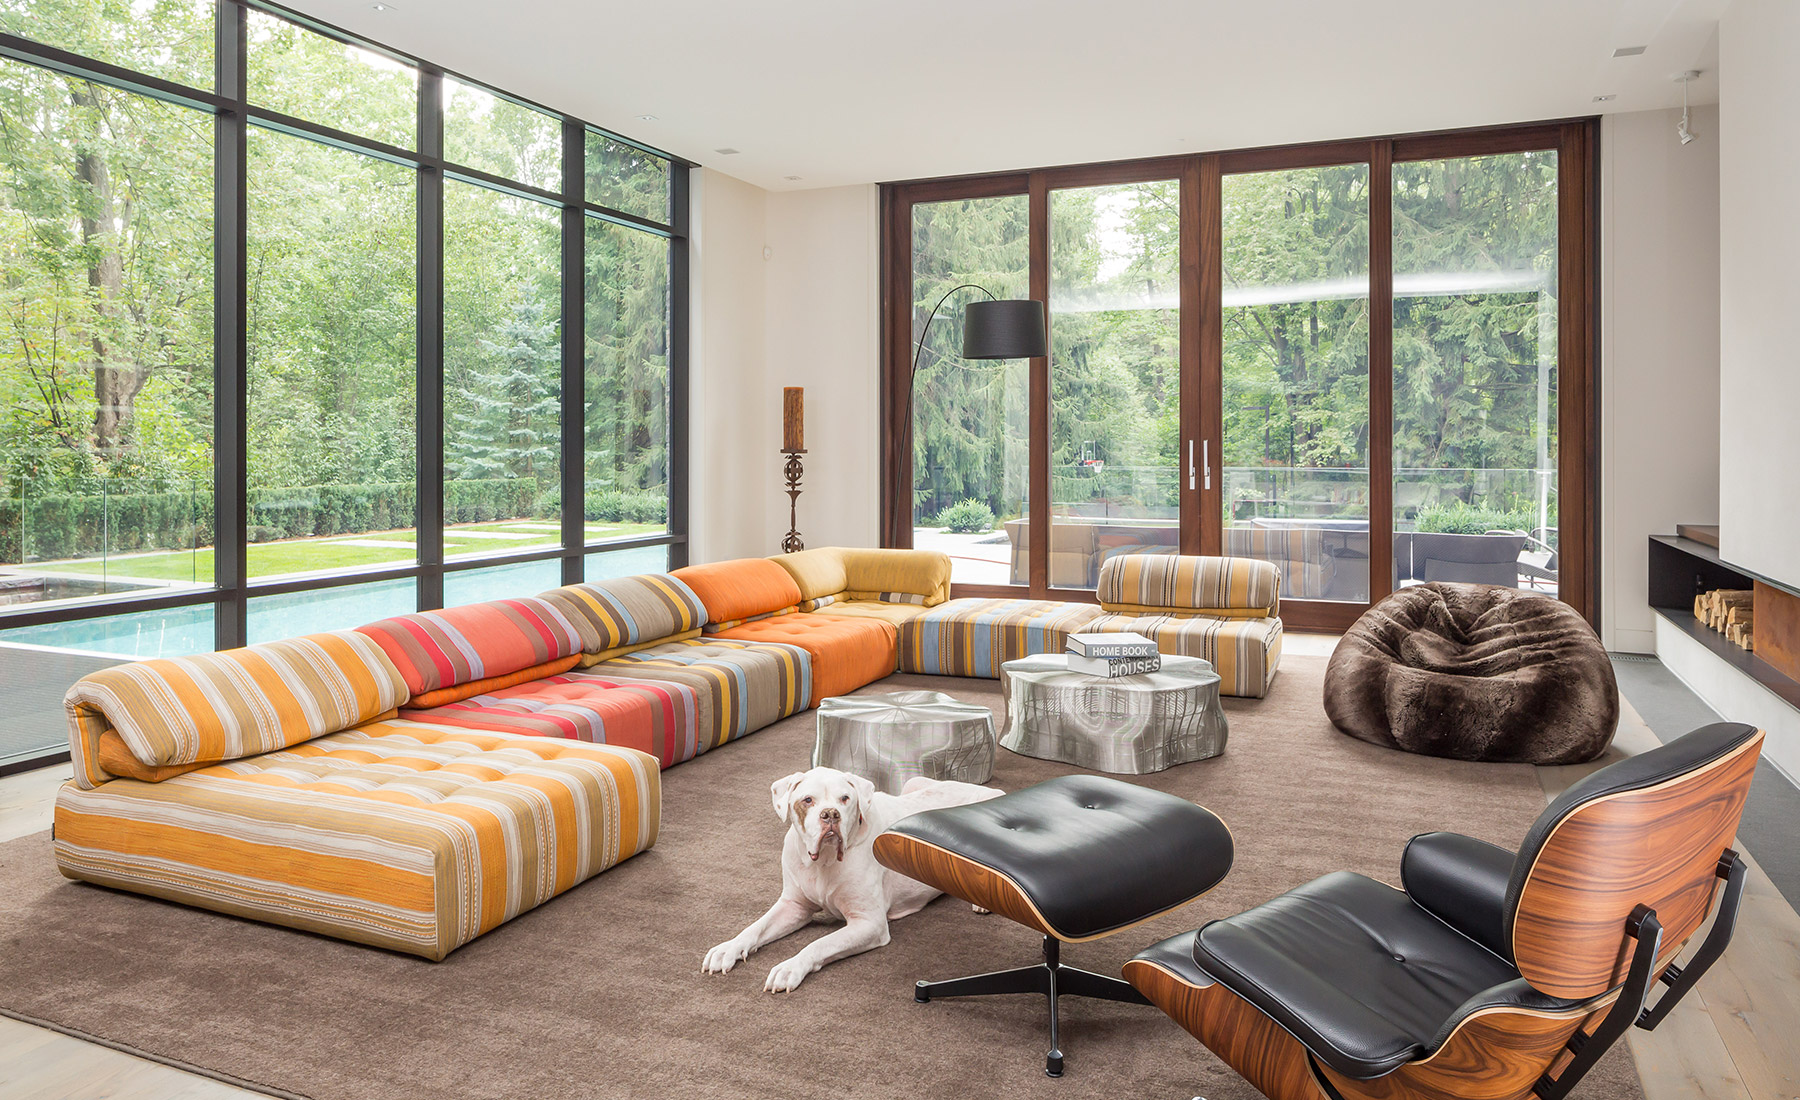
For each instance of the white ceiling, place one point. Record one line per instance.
(853, 91)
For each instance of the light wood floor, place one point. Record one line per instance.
(1736, 1037)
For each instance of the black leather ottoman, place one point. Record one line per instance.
(1076, 858)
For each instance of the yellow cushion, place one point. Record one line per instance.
(818, 572)
(878, 574)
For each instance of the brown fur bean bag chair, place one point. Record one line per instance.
(1475, 672)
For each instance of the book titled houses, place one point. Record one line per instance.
(1114, 667)
(1111, 645)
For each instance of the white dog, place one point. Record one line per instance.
(829, 872)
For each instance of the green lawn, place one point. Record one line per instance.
(315, 555)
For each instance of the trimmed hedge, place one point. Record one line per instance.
(65, 525)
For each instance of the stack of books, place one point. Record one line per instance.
(1112, 655)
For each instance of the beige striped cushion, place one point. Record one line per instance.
(1244, 652)
(405, 835)
(223, 706)
(1222, 588)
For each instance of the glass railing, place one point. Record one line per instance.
(114, 535)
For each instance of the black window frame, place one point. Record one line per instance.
(234, 113)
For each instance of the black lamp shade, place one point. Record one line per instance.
(1011, 328)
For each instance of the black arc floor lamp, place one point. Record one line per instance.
(998, 328)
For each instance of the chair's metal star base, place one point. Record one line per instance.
(1050, 978)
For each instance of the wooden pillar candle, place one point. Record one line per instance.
(793, 444)
(793, 420)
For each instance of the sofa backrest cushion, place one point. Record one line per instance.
(818, 573)
(1176, 584)
(897, 576)
(833, 573)
(623, 614)
(178, 711)
(478, 642)
(741, 589)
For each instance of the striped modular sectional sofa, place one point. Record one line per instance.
(418, 781)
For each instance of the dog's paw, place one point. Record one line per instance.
(787, 976)
(722, 958)
(983, 912)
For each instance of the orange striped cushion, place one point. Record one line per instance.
(479, 641)
(225, 706)
(493, 683)
(740, 589)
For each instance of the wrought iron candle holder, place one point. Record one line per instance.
(792, 471)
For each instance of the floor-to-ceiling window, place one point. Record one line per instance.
(300, 332)
(1357, 360)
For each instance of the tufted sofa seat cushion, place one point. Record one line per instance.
(845, 653)
(400, 834)
(662, 719)
(974, 637)
(738, 687)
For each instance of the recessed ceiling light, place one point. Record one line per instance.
(382, 7)
(1605, 98)
(1629, 51)
(726, 152)
(646, 118)
(790, 178)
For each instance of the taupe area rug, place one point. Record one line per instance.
(599, 993)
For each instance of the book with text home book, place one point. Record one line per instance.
(1114, 667)
(1110, 645)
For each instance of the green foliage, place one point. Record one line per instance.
(1459, 519)
(613, 506)
(967, 517)
(106, 267)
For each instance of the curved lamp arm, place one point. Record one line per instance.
(905, 435)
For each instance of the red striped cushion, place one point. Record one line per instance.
(441, 649)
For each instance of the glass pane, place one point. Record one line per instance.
(292, 614)
(1296, 377)
(501, 582)
(627, 442)
(1115, 378)
(970, 429)
(1475, 370)
(106, 423)
(626, 178)
(332, 418)
(498, 136)
(310, 76)
(502, 372)
(137, 635)
(172, 39)
(626, 563)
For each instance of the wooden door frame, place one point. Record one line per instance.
(1200, 178)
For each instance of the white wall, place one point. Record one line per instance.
(806, 315)
(824, 333)
(1759, 287)
(725, 388)
(1659, 351)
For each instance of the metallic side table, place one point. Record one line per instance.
(890, 738)
(1131, 725)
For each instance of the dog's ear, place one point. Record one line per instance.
(865, 794)
(781, 793)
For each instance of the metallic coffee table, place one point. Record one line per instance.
(893, 737)
(1131, 725)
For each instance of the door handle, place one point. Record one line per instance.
(1190, 464)
(1206, 462)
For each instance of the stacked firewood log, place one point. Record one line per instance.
(1731, 612)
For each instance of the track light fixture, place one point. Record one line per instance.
(1681, 128)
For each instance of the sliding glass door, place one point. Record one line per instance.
(1354, 360)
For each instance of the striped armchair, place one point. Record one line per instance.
(1224, 610)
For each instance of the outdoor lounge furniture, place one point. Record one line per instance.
(1490, 972)
(1475, 672)
(1075, 858)
(1425, 556)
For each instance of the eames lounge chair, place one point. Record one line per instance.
(1491, 974)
